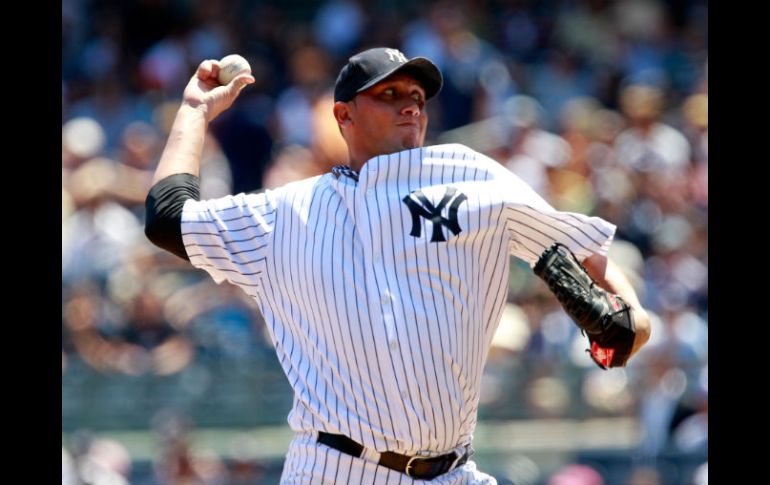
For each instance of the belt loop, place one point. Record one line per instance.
(462, 451)
(457, 458)
(370, 454)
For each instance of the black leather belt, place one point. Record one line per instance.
(413, 466)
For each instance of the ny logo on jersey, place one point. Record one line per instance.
(420, 206)
(395, 55)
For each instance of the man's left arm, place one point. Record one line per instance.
(609, 276)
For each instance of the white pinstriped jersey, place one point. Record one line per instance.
(382, 295)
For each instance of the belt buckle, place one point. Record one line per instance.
(409, 466)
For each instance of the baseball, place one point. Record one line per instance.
(230, 66)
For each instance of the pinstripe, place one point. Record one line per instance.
(422, 349)
(247, 218)
(218, 222)
(337, 471)
(275, 301)
(517, 235)
(536, 220)
(307, 351)
(498, 266)
(437, 321)
(471, 398)
(244, 216)
(222, 209)
(344, 323)
(381, 281)
(305, 253)
(462, 352)
(471, 264)
(358, 396)
(286, 275)
(434, 391)
(302, 468)
(233, 253)
(288, 466)
(371, 387)
(323, 468)
(442, 317)
(428, 271)
(367, 475)
(423, 402)
(533, 230)
(307, 308)
(232, 241)
(306, 334)
(349, 461)
(314, 272)
(271, 313)
(331, 258)
(388, 355)
(225, 258)
(402, 332)
(372, 334)
(456, 324)
(478, 359)
(300, 257)
(586, 221)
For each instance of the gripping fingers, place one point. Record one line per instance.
(208, 69)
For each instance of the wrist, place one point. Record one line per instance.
(194, 109)
(642, 326)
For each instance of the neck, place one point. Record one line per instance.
(356, 164)
(356, 159)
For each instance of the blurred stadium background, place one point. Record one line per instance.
(602, 106)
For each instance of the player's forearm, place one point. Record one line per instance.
(184, 146)
(610, 277)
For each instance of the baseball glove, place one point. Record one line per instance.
(604, 317)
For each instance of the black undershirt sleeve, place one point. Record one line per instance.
(164, 203)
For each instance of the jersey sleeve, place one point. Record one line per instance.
(533, 225)
(230, 237)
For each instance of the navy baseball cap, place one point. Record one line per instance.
(369, 67)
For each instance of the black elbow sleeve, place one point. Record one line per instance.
(164, 203)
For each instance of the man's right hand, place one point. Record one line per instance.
(204, 92)
(204, 98)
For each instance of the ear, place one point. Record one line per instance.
(342, 113)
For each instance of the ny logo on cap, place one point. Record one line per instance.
(395, 55)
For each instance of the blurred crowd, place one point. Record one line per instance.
(601, 106)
